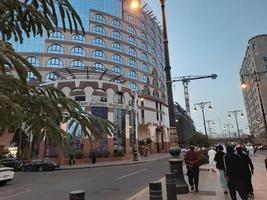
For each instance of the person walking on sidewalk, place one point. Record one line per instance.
(233, 174)
(247, 170)
(192, 165)
(211, 154)
(219, 159)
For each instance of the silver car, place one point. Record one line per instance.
(6, 174)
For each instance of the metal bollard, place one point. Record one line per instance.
(77, 195)
(171, 186)
(155, 191)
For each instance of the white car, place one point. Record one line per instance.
(6, 174)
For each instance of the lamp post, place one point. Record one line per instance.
(228, 129)
(235, 113)
(209, 128)
(202, 106)
(256, 77)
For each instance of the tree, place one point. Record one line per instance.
(199, 139)
(38, 110)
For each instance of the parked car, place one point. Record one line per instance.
(6, 174)
(40, 165)
(12, 162)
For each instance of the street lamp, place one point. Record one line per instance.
(235, 113)
(202, 106)
(209, 128)
(256, 77)
(228, 129)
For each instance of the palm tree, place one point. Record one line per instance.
(38, 110)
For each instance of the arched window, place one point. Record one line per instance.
(162, 77)
(152, 42)
(144, 57)
(160, 48)
(142, 26)
(117, 71)
(118, 98)
(155, 83)
(99, 67)
(153, 52)
(77, 64)
(159, 38)
(98, 54)
(143, 35)
(99, 18)
(57, 36)
(142, 16)
(131, 29)
(132, 51)
(156, 93)
(116, 23)
(146, 90)
(116, 46)
(31, 77)
(34, 61)
(162, 86)
(154, 73)
(144, 46)
(132, 41)
(145, 67)
(160, 57)
(50, 77)
(132, 74)
(130, 19)
(161, 67)
(152, 33)
(117, 58)
(133, 86)
(55, 63)
(117, 35)
(99, 42)
(99, 30)
(78, 38)
(145, 78)
(163, 96)
(55, 48)
(132, 63)
(77, 51)
(154, 62)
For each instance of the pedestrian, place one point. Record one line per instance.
(247, 170)
(93, 156)
(233, 174)
(211, 154)
(219, 159)
(192, 165)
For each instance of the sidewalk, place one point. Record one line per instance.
(209, 186)
(116, 163)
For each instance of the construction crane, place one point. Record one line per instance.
(186, 80)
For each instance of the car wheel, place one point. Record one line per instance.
(41, 169)
(3, 183)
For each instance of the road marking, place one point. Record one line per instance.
(131, 174)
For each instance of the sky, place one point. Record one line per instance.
(210, 37)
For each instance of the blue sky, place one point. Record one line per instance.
(210, 36)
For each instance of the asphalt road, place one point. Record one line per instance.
(107, 183)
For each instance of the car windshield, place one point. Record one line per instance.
(36, 161)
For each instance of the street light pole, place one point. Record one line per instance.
(228, 129)
(235, 113)
(209, 128)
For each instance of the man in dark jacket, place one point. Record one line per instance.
(191, 161)
(233, 174)
(247, 170)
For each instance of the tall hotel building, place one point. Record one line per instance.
(255, 60)
(115, 71)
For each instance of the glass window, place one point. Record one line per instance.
(117, 70)
(156, 93)
(131, 30)
(116, 46)
(132, 74)
(55, 63)
(99, 18)
(116, 23)
(145, 67)
(144, 46)
(161, 66)
(77, 64)
(160, 48)
(132, 51)
(118, 97)
(77, 51)
(99, 67)
(153, 52)
(132, 63)
(98, 54)
(117, 35)
(99, 42)
(130, 19)
(146, 90)
(144, 57)
(117, 58)
(162, 86)
(99, 30)
(154, 62)
(155, 83)
(163, 95)
(145, 78)
(133, 86)
(34, 61)
(31, 77)
(152, 42)
(142, 15)
(132, 41)
(154, 73)
(160, 57)
(142, 26)
(143, 35)
(78, 38)
(162, 77)
(57, 36)
(50, 77)
(152, 33)
(159, 38)
(55, 48)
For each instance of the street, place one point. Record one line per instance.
(119, 182)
